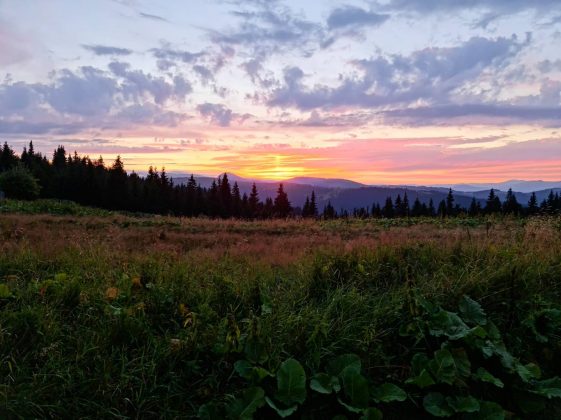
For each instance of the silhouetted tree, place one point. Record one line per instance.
(450, 209)
(533, 204)
(253, 202)
(388, 210)
(282, 206)
(493, 204)
(442, 209)
(329, 211)
(511, 205)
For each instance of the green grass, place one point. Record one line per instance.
(49, 206)
(91, 332)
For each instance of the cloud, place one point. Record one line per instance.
(91, 98)
(267, 27)
(504, 6)
(350, 16)
(152, 17)
(431, 74)
(219, 114)
(106, 50)
(87, 93)
(169, 57)
(467, 114)
(204, 73)
(135, 84)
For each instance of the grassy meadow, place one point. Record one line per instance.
(108, 315)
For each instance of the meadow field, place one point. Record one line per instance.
(109, 315)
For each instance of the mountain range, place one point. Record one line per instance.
(346, 194)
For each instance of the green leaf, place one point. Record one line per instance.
(209, 411)
(488, 411)
(266, 305)
(461, 362)
(371, 414)
(388, 392)
(463, 404)
(283, 412)
(485, 376)
(324, 383)
(436, 404)
(243, 408)
(471, 312)
(255, 351)
(249, 372)
(423, 380)
(60, 277)
(336, 366)
(527, 372)
(443, 366)
(419, 362)
(5, 291)
(349, 407)
(291, 382)
(448, 324)
(356, 387)
(549, 388)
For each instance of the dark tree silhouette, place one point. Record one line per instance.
(282, 206)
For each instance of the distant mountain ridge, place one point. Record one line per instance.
(347, 195)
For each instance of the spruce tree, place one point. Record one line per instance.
(253, 202)
(442, 209)
(236, 210)
(533, 204)
(511, 205)
(388, 210)
(398, 208)
(450, 210)
(473, 207)
(493, 204)
(417, 209)
(313, 209)
(431, 209)
(329, 211)
(306, 208)
(281, 204)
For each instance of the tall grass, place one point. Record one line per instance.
(118, 317)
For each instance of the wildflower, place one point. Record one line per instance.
(111, 293)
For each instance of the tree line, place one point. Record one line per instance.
(401, 207)
(93, 183)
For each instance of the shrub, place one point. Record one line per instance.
(19, 183)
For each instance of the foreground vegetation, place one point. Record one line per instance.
(113, 316)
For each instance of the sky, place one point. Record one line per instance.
(381, 92)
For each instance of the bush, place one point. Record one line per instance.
(19, 183)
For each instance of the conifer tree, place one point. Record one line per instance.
(398, 208)
(405, 205)
(388, 210)
(306, 208)
(431, 209)
(493, 204)
(417, 209)
(236, 210)
(313, 208)
(329, 211)
(281, 205)
(511, 205)
(253, 202)
(474, 207)
(442, 209)
(450, 209)
(533, 204)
